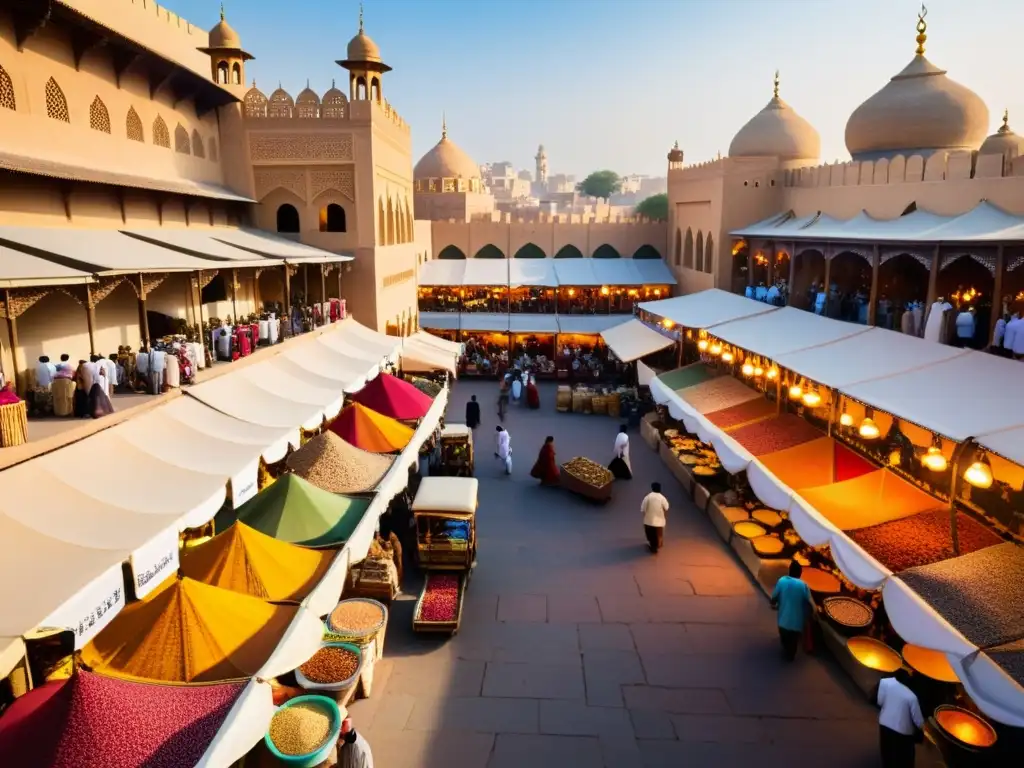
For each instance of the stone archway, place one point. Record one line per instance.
(902, 278)
(607, 252)
(808, 276)
(646, 252)
(569, 252)
(967, 280)
(451, 252)
(490, 251)
(530, 251)
(288, 219)
(850, 275)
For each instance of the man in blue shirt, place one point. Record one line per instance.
(792, 598)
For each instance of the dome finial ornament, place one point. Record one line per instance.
(222, 12)
(922, 28)
(444, 126)
(1005, 128)
(776, 85)
(360, 18)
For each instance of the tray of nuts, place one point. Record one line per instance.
(335, 667)
(439, 607)
(587, 478)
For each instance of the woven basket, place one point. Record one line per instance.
(363, 637)
(563, 399)
(13, 424)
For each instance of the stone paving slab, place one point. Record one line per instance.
(561, 718)
(534, 681)
(477, 714)
(546, 752)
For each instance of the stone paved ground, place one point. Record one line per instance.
(579, 648)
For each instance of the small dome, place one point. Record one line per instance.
(1004, 141)
(777, 131)
(446, 161)
(281, 96)
(920, 109)
(223, 36)
(308, 96)
(362, 48)
(675, 155)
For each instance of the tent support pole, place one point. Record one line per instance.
(997, 293)
(876, 263)
(958, 456)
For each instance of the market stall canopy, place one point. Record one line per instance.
(644, 374)
(328, 462)
(189, 632)
(109, 252)
(588, 324)
(239, 397)
(207, 423)
(579, 272)
(90, 720)
(687, 376)
(371, 431)
(271, 246)
(453, 348)
(420, 357)
(873, 498)
(198, 242)
(787, 330)
(486, 272)
(442, 272)
(530, 323)
(19, 270)
(654, 272)
(983, 223)
(447, 494)
(874, 354)
(367, 338)
(393, 397)
(706, 308)
(532, 272)
(347, 373)
(1008, 443)
(441, 321)
(350, 347)
(617, 271)
(934, 396)
(242, 559)
(632, 340)
(487, 322)
(296, 511)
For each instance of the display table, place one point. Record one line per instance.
(13, 424)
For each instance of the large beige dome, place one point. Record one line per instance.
(777, 131)
(223, 36)
(446, 160)
(918, 110)
(362, 48)
(1004, 141)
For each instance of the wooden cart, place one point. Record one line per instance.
(445, 515)
(597, 493)
(456, 458)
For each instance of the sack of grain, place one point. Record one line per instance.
(563, 399)
(614, 405)
(599, 404)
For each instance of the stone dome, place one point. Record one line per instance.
(1004, 141)
(920, 110)
(446, 160)
(307, 96)
(362, 48)
(777, 131)
(223, 36)
(675, 155)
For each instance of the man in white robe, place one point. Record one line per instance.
(504, 449)
(620, 465)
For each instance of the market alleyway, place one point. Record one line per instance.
(579, 648)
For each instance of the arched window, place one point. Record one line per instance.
(213, 150)
(382, 224)
(7, 91)
(530, 251)
(332, 218)
(375, 89)
(255, 103)
(133, 126)
(361, 88)
(607, 252)
(222, 73)
(99, 118)
(236, 74)
(288, 219)
(197, 145)
(161, 136)
(646, 251)
(709, 254)
(490, 251)
(451, 252)
(698, 252)
(569, 252)
(688, 249)
(679, 248)
(56, 103)
(181, 141)
(334, 104)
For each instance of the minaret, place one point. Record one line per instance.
(227, 58)
(542, 165)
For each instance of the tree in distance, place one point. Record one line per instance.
(602, 184)
(654, 207)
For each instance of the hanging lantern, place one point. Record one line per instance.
(934, 459)
(796, 392)
(668, 324)
(727, 357)
(811, 399)
(895, 457)
(844, 418)
(773, 374)
(979, 474)
(747, 369)
(716, 349)
(702, 345)
(868, 429)
(604, 290)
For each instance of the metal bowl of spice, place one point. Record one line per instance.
(303, 731)
(335, 667)
(847, 615)
(356, 619)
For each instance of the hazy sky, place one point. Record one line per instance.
(607, 84)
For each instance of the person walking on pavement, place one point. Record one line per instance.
(654, 507)
(472, 413)
(900, 721)
(503, 400)
(353, 749)
(504, 449)
(792, 598)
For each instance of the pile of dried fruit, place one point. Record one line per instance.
(441, 600)
(300, 729)
(775, 434)
(331, 664)
(922, 539)
(357, 617)
(590, 472)
(328, 462)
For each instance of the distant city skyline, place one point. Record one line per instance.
(601, 90)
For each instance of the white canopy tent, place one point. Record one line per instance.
(451, 347)
(530, 323)
(19, 269)
(587, 324)
(294, 388)
(441, 321)
(206, 422)
(366, 338)
(442, 272)
(348, 373)
(421, 357)
(632, 340)
(240, 398)
(776, 333)
(485, 272)
(271, 246)
(706, 308)
(617, 272)
(578, 272)
(654, 272)
(199, 242)
(493, 322)
(532, 272)
(1008, 443)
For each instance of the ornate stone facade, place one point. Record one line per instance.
(302, 148)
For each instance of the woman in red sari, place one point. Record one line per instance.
(546, 468)
(532, 393)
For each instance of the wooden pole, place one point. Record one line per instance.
(933, 282)
(234, 295)
(286, 321)
(876, 264)
(792, 276)
(90, 316)
(199, 285)
(12, 335)
(828, 283)
(997, 293)
(143, 312)
(323, 295)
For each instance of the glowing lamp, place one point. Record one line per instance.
(668, 323)
(702, 345)
(932, 664)
(657, 291)
(979, 474)
(812, 399)
(716, 349)
(796, 392)
(727, 357)
(572, 292)
(846, 419)
(773, 373)
(868, 429)
(604, 290)
(934, 460)
(874, 654)
(965, 727)
(895, 457)
(758, 371)
(747, 369)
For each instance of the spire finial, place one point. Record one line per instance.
(360, 18)
(444, 126)
(222, 11)
(332, 82)
(676, 145)
(922, 28)
(307, 83)
(775, 85)
(1005, 128)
